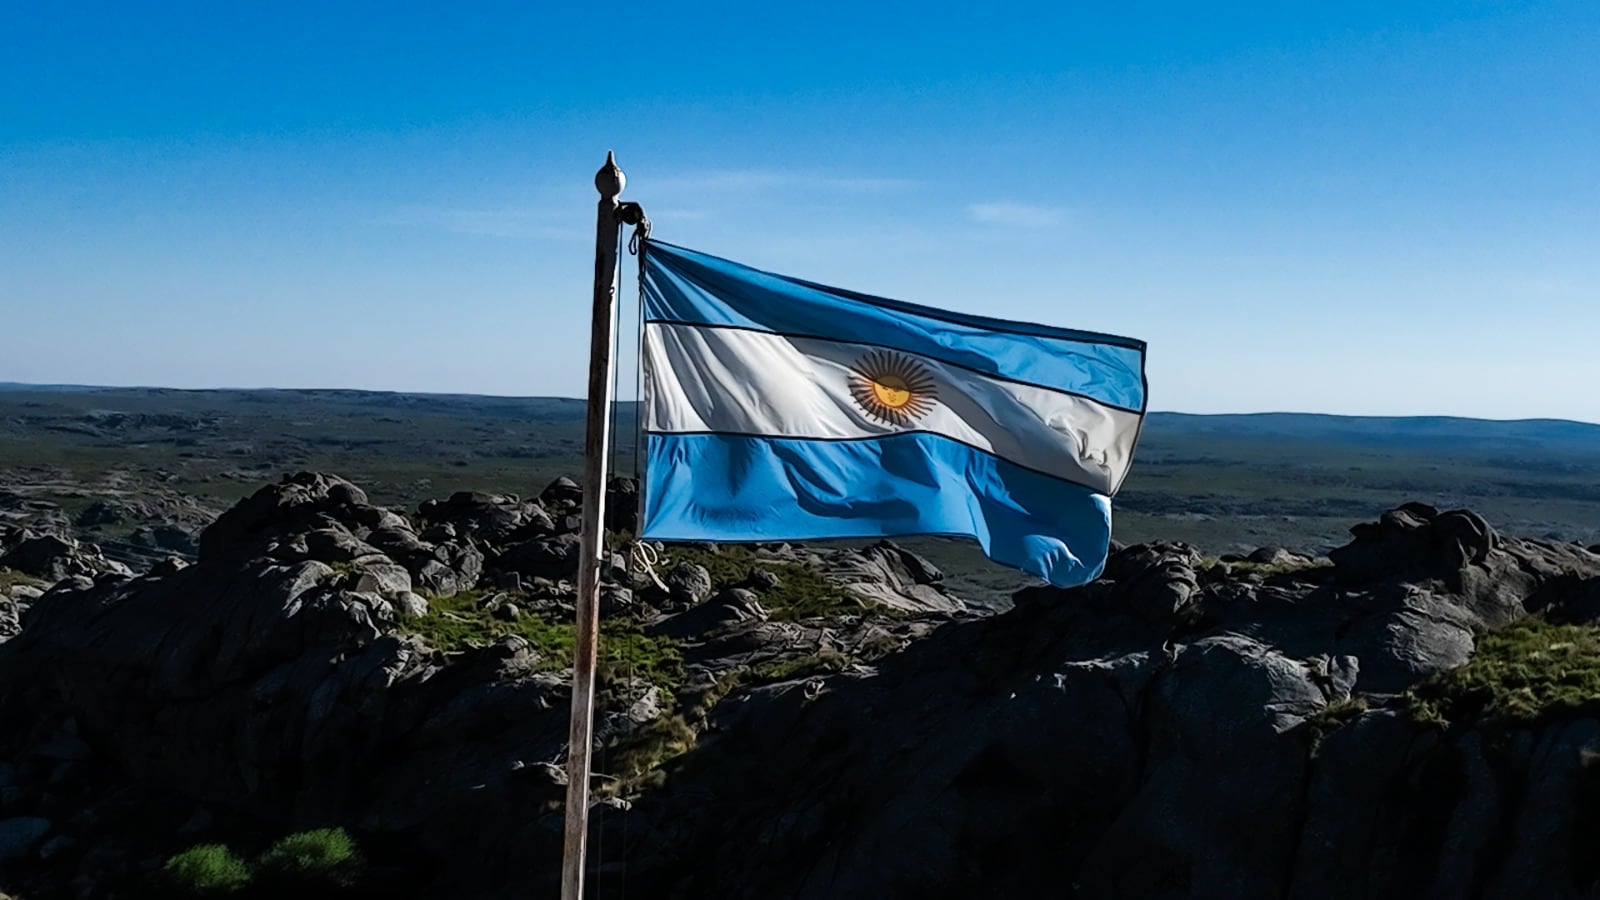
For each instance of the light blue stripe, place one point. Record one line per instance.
(714, 487)
(685, 286)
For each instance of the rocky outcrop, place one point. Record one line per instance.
(1157, 734)
(53, 557)
(1176, 729)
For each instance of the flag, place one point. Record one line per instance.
(776, 409)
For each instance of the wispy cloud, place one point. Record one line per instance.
(749, 180)
(675, 214)
(503, 223)
(1014, 215)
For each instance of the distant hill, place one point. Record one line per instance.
(1409, 430)
(1435, 431)
(1223, 483)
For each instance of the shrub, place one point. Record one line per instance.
(324, 856)
(206, 870)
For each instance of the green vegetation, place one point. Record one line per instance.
(1529, 671)
(462, 621)
(10, 578)
(206, 870)
(323, 857)
(802, 592)
(634, 761)
(823, 662)
(1332, 717)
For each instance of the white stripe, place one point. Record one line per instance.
(701, 379)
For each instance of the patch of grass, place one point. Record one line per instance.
(635, 761)
(461, 621)
(10, 578)
(1333, 717)
(1529, 671)
(205, 871)
(802, 592)
(822, 662)
(321, 857)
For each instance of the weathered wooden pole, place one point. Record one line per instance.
(597, 452)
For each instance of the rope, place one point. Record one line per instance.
(644, 556)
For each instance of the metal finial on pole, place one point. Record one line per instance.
(597, 452)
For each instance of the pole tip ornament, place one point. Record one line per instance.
(609, 180)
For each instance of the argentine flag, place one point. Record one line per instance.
(776, 409)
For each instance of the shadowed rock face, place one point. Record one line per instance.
(1163, 732)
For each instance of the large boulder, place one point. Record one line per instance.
(299, 503)
(53, 557)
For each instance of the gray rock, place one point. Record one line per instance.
(57, 846)
(384, 578)
(561, 493)
(728, 608)
(20, 837)
(890, 575)
(408, 604)
(1277, 556)
(688, 583)
(551, 557)
(1157, 581)
(53, 558)
(1546, 831)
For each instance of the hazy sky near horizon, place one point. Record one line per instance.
(1363, 207)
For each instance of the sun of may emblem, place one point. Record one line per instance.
(892, 387)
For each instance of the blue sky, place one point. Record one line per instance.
(1379, 208)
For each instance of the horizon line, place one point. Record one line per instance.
(64, 387)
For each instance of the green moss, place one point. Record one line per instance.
(1529, 671)
(1333, 717)
(461, 622)
(802, 592)
(321, 857)
(10, 578)
(205, 871)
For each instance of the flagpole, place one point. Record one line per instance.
(597, 452)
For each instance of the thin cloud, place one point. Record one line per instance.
(1014, 215)
(750, 180)
(501, 223)
(672, 214)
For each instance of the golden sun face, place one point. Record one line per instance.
(893, 388)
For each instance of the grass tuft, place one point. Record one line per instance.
(635, 760)
(321, 857)
(10, 578)
(1529, 671)
(460, 622)
(1333, 717)
(205, 871)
